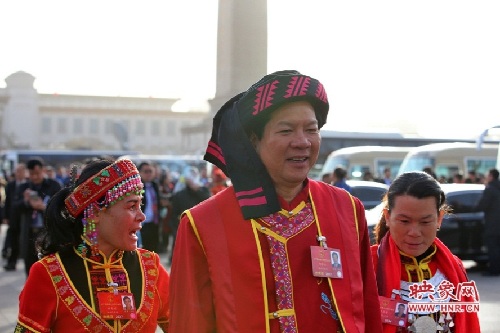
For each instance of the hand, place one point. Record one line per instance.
(27, 194)
(33, 199)
(37, 203)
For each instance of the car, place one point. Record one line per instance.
(461, 230)
(369, 192)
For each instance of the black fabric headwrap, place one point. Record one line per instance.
(230, 148)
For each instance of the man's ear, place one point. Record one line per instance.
(254, 140)
(440, 218)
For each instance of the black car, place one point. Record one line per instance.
(370, 193)
(462, 230)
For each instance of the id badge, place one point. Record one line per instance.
(326, 262)
(116, 306)
(394, 311)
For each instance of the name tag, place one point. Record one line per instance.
(116, 306)
(394, 311)
(326, 262)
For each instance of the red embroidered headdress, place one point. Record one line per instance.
(116, 180)
(230, 148)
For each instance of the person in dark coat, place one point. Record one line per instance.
(11, 216)
(188, 192)
(36, 193)
(151, 206)
(339, 177)
(490, 205)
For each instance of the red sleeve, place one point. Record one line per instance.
(191, 299)
(162, 290)
(373, 317)
(37, 301)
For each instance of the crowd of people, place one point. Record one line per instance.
(257, 246)
(26, 198)
(25, 193)
(339, 175)
(472, 177)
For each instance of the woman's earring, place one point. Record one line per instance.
(89, 229)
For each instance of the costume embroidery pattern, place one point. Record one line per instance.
(87, 316)
(264, 97)
(285, 226)
(298, 86)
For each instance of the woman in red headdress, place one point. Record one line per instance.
(90, 261)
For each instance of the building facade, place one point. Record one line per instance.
(30, 120)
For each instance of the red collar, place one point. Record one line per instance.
(301, 196)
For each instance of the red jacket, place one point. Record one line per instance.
(222, 281)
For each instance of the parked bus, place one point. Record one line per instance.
(360, 159)
(447, 159)
(10, 158)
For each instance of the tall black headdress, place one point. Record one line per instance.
(230, 148)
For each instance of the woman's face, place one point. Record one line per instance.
(413, 223)
(117, 226)
(290, 143)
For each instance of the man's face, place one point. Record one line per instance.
(36, 175)
(290, 144)
(20, 172)
(147, 173)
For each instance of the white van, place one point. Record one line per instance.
(359, 159)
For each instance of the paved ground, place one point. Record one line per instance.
(11, 284)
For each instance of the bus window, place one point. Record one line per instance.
(359, 159)
(480, 165)
(393, 164)
(334, 162)
(357, 171)
(444, 170)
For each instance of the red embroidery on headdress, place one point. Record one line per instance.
(264, 97)
(298, 86)
(86, 191)
(215, 150)
(97, 185)
(321, 93)
(253, 197)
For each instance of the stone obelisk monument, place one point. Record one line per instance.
(241, 48)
